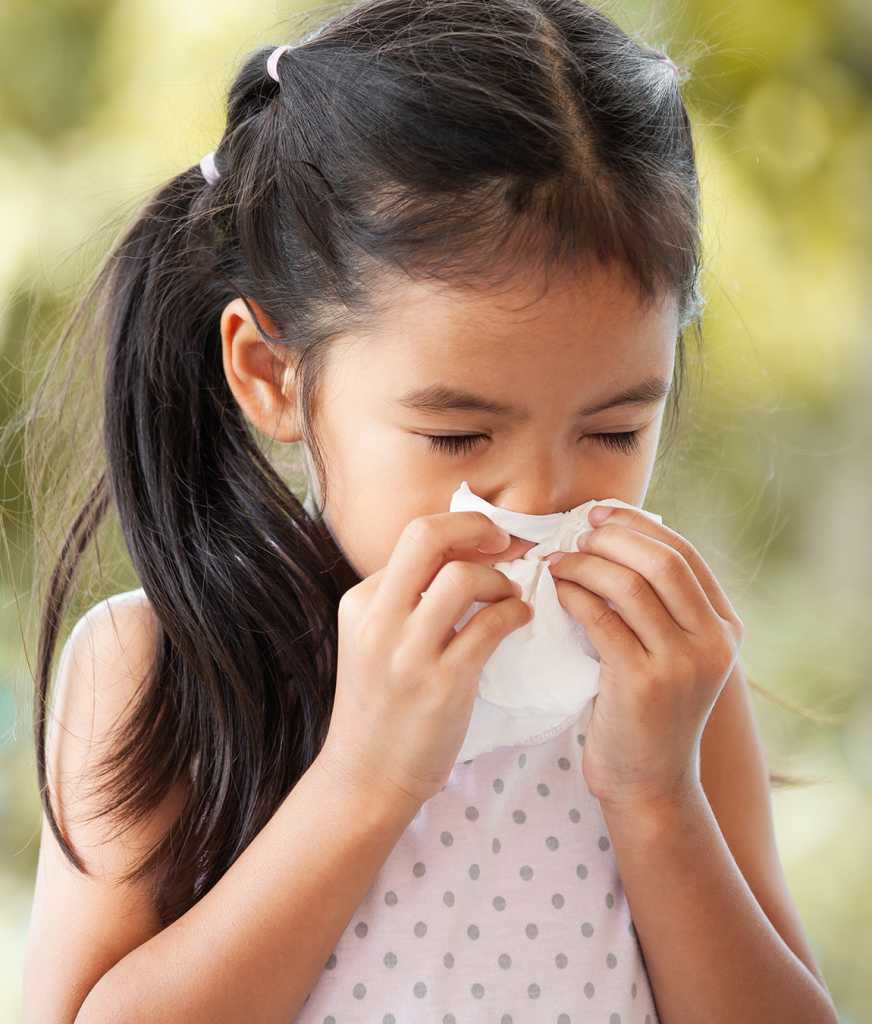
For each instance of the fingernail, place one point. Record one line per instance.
(554, 557)
(600, 513)
(517, 587)
(504, 534)
(583, 539)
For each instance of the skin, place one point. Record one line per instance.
(672, 750)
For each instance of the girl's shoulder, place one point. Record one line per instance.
(103, 666)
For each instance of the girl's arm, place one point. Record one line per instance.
(721, 939)
(251, 949)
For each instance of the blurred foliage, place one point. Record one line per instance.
(102, 99)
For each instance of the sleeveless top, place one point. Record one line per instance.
(501, 903)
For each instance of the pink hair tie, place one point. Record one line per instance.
(272, 64)
(671, 64)
(208, 169)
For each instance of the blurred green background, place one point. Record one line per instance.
(772, 476)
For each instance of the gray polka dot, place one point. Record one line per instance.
(474, 872)
(589, 990)
(580, 740)
(418, 870)
(564, 1019)
(420, 929)
(449, 1018)
(532, 931)
(420, 990)
(581, 871)
(360, 929)
(591, 792)
(552, 843)
(633, 990)
(448, 960)
(647, 1018)
(533, 991)
(390, 960)
(330, 1019)
(471, 814)
(496, 846)
(331, 962)
(448, 899)
(505, 961)
(499, 785)
(603, 843)
(468, 762)
(563, 764)
(574, 816)
(519, 817)
(542, 789)
(522, 760)
(632, 929)
(505, 1019)
(499, 903)
(473, 932)
(526, 872)
(389, 1018)
(359, 991)
(587, 929)
(561, 960)
(477, 991)
(418, 815)
(557, 901)
(447, 838)
(610, 900)
(391, 899)
(611, 961)
(615, 1018)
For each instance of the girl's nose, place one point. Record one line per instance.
(539, 494)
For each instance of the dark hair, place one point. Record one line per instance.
(458, 139)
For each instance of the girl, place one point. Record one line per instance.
(440, 240)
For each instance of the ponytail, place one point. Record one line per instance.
(244, 586)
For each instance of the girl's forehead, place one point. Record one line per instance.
(600, 321)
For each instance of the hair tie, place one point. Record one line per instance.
(671, 64)
(272, 63)
(208, 169)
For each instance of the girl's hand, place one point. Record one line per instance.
(668, 638)
(406, 680)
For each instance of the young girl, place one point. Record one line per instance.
(440, 241)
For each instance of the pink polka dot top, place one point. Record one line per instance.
(501, 903)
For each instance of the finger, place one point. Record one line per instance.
(517, 549)
(456, 587)
(610, 634)
(664, 569)
(423, 547)
(627, 590)
(641, 523)
(472, 645)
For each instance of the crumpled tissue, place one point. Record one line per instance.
(543, 675)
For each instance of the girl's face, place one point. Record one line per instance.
(540, 399)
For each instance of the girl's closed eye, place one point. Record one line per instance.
(455, 444)
(627, 441)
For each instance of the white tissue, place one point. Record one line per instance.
(544, 674)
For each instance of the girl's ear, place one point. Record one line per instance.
(261, 381)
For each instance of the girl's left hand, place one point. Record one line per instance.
(668, 639)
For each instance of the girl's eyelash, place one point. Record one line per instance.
(626, 442)
(455, 444)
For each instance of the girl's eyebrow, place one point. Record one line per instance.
(441, 398)
(646, 392)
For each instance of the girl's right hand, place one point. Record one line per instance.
(406, 680)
